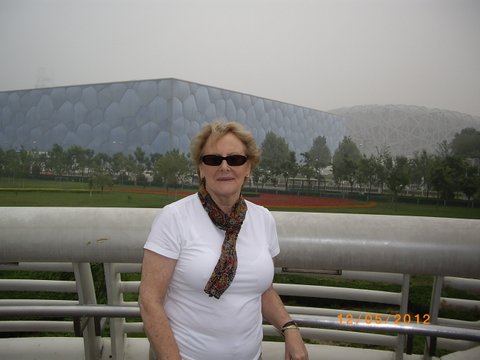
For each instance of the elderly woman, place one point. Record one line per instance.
(207, 267)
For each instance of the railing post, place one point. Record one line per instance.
(431, 342)
(86, 295)
(403, 310)
(117, 333)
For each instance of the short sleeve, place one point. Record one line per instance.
(165, 236)
(273, 245)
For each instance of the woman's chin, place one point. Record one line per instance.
(227, 189)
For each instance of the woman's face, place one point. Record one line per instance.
(224, 182)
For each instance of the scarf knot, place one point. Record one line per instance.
(226, 267)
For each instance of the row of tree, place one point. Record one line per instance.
(99, 169)
(448, 172)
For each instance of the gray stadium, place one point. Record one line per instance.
(156, 115)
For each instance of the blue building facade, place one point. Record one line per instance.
(155, 115)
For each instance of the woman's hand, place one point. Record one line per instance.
(295, 349)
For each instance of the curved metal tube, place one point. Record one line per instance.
(325, 322)
(450, 332)
(398, 244)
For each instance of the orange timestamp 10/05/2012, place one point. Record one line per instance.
(369, 318)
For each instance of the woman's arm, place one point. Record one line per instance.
(275, 313)
(157, 271)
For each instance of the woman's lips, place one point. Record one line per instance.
(225, 179)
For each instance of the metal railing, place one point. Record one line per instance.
(336, 243)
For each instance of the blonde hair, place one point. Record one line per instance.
(216, 130)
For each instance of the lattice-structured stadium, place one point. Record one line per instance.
(404, 129)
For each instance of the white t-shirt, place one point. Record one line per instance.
(206, 328)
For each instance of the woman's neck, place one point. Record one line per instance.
(225, 203)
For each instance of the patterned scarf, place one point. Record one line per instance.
(224, 272)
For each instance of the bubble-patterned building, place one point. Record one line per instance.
(156, 115)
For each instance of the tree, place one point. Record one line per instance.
(466, 144)
(140, 163)
(11, 164)
(3, 162)
(57, 160)
(260, 176)
(316, 159)
(445, 173)
(78, 159)
(469, 183)
(306, 167)
(25, 162)
(367, 174)
(320, 153)
(381, 158)
(276, 156)
(421, 170)
(346, 160)
(102, 161)
(171, 168)
(100, 179)
(289, 168)
(120, 167)
(398, 175)
(39, 163)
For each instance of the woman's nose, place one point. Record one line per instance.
(224, 165)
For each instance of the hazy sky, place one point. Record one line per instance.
(322, 54)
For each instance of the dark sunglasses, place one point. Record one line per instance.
(232, 160)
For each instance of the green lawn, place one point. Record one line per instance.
(69, 193)
(7, 183)
(388, 208)
(83, 199)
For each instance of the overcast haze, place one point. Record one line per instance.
(323, 54)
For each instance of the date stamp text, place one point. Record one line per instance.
(370, 318)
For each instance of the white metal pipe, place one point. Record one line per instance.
(339, 335)
(470, 285)
(37, 285)
(455, 345)
(32, 266)
(36, 326)
(134, 327)
(37, 302)
(325, 322)
(459, 323)
(332, 292)
(398, 244)
(388, 278)
(74, 311)
(129, 286)
(464, 304)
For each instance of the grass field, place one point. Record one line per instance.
(82, 198)
(67, 193)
